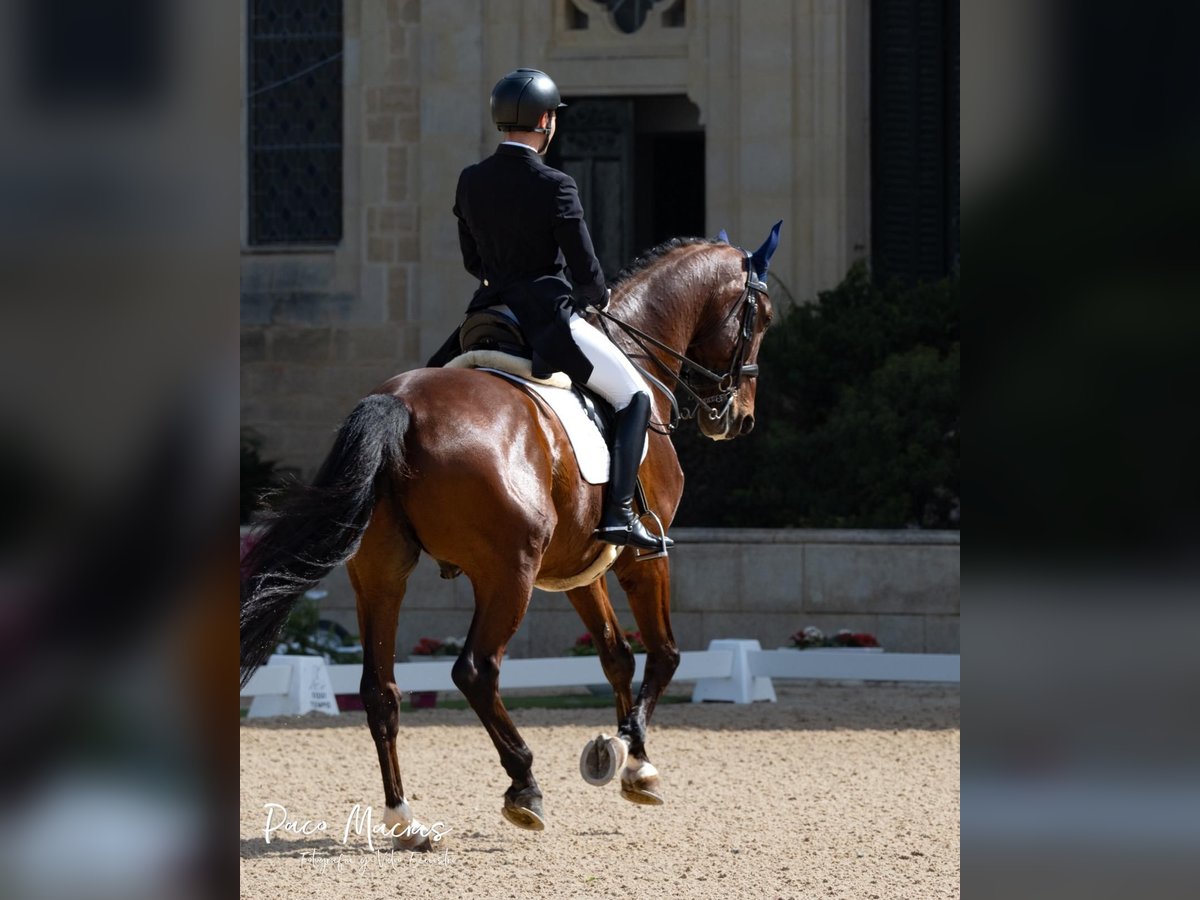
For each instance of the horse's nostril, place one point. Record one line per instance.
(747, 424)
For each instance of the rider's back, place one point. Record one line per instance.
(523, 221)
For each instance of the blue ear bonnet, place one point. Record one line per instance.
(760, 258)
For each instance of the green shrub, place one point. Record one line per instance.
(857, 418)
(257, 474)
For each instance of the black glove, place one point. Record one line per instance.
(583, 306)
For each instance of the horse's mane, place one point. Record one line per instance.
(635, 305)
(653, 255)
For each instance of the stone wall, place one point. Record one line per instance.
(902, 586)
(322, 326)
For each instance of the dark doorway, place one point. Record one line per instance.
(669, 173)
(671, 167)
(639, 164)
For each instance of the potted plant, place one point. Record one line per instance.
(431, 650)
(812, 638)
(258, 475)
(585, 646)
(305, 633)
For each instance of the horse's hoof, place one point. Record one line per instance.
(523, 817)
(414, 844)
(640, 785)
(524, 812)
(407, 833)
(641, 795)
(602, 758)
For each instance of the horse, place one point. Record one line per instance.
(470, 469)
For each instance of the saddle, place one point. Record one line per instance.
(490, 329)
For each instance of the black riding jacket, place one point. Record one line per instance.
(520, 224)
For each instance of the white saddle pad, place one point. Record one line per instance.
(591, 452)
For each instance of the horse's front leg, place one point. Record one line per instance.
(605, 755)
(648, 586)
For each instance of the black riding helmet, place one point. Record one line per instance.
(520, 98)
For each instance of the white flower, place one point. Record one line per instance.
(813, 633)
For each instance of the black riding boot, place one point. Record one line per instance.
(619, 525)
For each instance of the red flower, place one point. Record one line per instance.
(427, 647)
(245, 545)
(585, 644)
(862, 639)
(814, 637)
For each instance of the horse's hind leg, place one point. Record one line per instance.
(648, 586)
(379, 573)
(500, 605)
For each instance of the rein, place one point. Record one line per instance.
(727, 384)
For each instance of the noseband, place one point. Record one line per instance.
(715, 405)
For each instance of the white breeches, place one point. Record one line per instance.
(613, 377)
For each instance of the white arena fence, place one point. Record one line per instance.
(737, 671)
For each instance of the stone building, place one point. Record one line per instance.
(685, 117)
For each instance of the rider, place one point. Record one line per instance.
(519, 222)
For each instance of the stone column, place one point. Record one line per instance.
(454, 99)
(390, 199)
(782, 88)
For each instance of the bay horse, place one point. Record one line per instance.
(471, 469)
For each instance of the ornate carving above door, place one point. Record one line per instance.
(624, 17)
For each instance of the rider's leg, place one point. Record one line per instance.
(615, 379)
(613, 376)
(618, 523)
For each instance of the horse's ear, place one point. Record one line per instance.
(762, 256)
(722, 236)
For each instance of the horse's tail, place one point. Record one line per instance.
(312, 528)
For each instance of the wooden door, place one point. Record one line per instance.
(595, 146)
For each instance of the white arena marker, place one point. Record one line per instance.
(741, 686)
(310, 690)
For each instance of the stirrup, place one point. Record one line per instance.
(645, 555)
(623, 536)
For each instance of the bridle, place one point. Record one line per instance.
(716, 405)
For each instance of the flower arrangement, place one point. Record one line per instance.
(429, 649)
(449, 646)
(586, 646)
(305, 633)
(811, 636)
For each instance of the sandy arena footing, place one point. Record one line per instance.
(837, 790)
